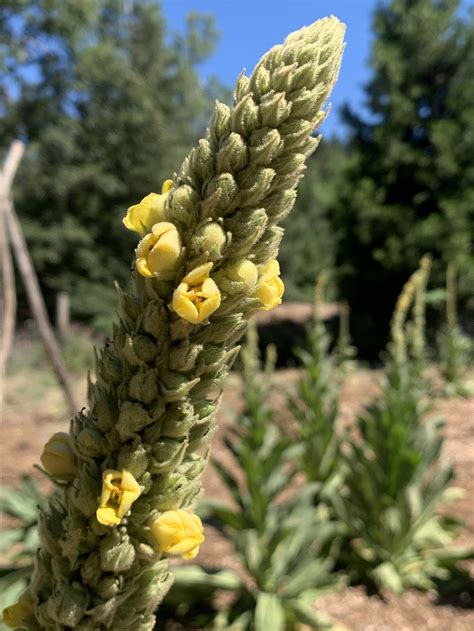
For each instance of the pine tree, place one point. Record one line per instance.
(108, 107)
(410, 189)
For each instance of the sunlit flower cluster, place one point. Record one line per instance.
(197, 295)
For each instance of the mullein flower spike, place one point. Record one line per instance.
(205, 263)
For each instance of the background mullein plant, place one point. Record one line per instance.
(206, 261)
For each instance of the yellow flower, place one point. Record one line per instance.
(21, 614)
(58, 458)
(270, 287)
(244, 272)
(178, 533)
(141, 217)
(159, 250)
(197, 296)
(119, 491)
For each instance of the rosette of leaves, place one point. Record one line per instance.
(277, 539)
(19, 540)
(397, 480)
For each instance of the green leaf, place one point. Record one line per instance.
(14, 503)
(10, 537)
(307, 614)
(191, 576)
(213, 510)
(387, 577)
(269, 613)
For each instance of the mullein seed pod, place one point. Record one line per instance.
(140, 451)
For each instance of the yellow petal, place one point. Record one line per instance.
(208, 307)
(244, 272)
(128, 482)
(143, 269)
(162, 227)
(107, 516)
(198, 274)
(192, 554)
(167, 186)
(145, 245)
(270, 270)
(209, 289)
(183, 305)
(142, 216)
(164, 256)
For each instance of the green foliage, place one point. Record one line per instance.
(19, 541)
(315, 406)
(277, 538)
(109, 105)
(410, 185)
(397, 481)
(455, 348)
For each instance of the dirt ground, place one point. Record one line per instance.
(27, 426)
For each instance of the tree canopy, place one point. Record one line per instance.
(410, 186)
(109, 103)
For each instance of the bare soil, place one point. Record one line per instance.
(32, 413)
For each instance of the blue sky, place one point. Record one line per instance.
(248, 28)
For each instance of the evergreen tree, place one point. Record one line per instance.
(107, 105)
(410, 188)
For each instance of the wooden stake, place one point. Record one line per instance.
(35, 298)
(7, 288)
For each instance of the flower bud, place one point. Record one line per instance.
(220, 120)
(255, 183)
(117, 554)
(178, 533)
(58, 458)
(21, 614)
(244, 116)
(274, 109)
(245, 273)
(232, 156)
(210, 238)
(270, 286)
(91, 443)
(133, 418)
(159, 251)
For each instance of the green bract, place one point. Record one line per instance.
(152, 407)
